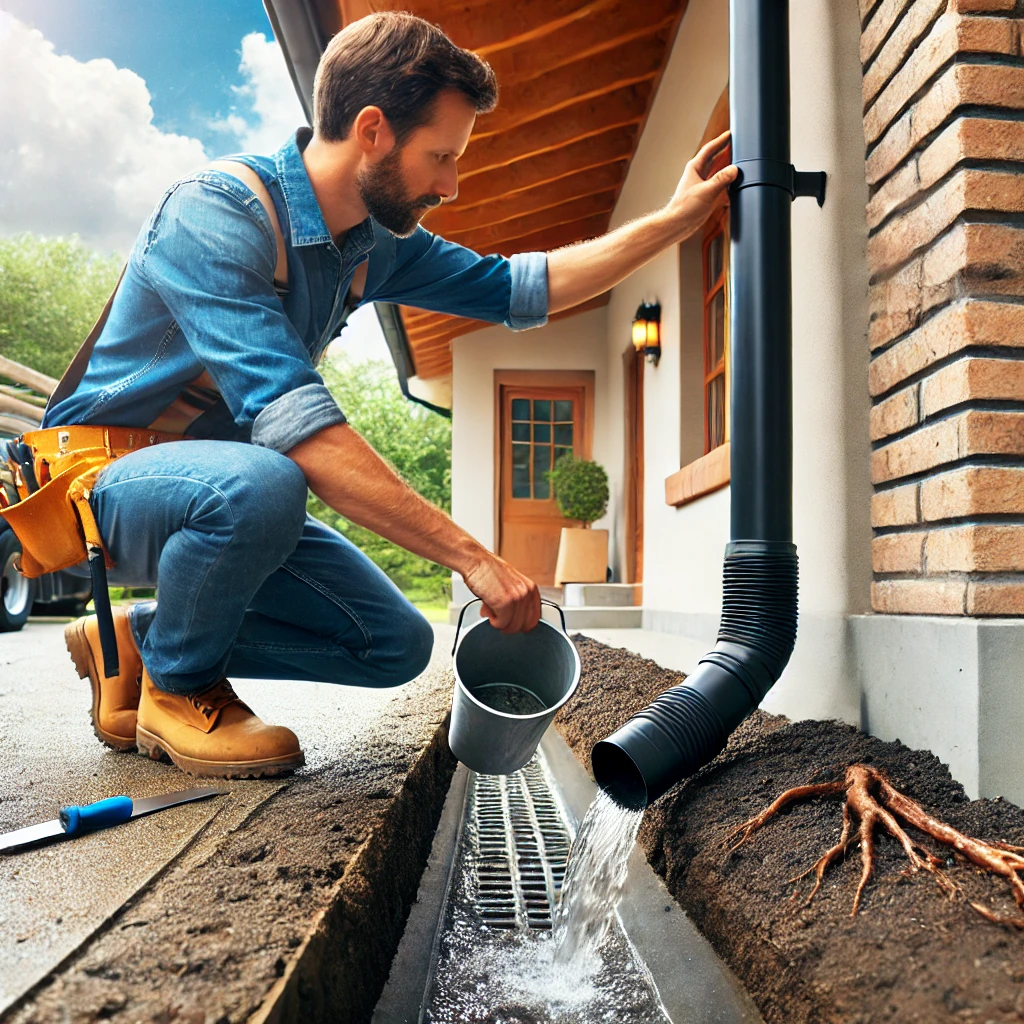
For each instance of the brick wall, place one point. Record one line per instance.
(943, 91)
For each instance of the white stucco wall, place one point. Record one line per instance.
(684, 547)
(576, 343)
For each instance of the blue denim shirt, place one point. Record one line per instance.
(197, 313)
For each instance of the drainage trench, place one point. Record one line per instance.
(479, 943)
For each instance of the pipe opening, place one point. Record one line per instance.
(619, 775)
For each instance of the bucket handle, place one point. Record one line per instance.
(543, 601)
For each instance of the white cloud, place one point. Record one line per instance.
(79, 152)
(269, 92)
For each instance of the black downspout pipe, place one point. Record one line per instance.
(684, 728)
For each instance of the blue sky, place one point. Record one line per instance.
(186, 50)
(104, 103)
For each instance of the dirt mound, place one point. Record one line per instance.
(910, 954)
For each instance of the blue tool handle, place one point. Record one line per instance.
(101, 814)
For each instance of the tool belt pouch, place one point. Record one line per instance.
(55, 525)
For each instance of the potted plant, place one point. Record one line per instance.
(581, 492)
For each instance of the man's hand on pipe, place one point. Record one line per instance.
(579, 272)
(697, 195)
(510, 600)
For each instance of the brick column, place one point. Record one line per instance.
(943, 91)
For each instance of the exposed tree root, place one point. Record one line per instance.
(870, 797)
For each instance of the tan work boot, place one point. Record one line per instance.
(115, 699)
(213, 733)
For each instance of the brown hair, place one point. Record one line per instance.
(398, 62)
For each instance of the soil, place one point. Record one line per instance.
(294, 915)
(910, 954)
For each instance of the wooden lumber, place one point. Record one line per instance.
(491, 27)
(624, 22)
(591, 117)
(25, 396)
(449, 220)
(20, 408)
(614, 146)
(433, 358)
(27, 376)
(570, 85)
(14, 426)
(516, 227)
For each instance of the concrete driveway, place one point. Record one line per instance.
(121, 923)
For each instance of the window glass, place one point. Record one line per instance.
(520, 471)
(541, 465)
(541, 430)
(714, 266)
(716, 357)
(716, 328)
(716, 411)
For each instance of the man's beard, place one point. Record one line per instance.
(383, 192)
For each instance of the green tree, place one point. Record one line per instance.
(53, 289)
(51, 292)
(417, 443)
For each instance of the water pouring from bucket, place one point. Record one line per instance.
(508, 689)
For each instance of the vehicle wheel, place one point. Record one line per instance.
(16, 592)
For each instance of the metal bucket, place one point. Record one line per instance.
(508, 689)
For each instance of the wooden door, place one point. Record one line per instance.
(538, 424)
(633, 488)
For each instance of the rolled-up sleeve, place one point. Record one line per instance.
(528, 302)
(223, 300)
(429, 272)
(295, 416)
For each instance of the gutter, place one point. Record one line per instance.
(302, 39)
(401, 354)
(688, 725)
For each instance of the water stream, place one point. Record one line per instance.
(595, 875)
(511, 951)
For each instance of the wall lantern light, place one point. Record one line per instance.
(647, 330)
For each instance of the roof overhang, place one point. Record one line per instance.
(545, 168)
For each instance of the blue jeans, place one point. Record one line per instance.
(249, 585)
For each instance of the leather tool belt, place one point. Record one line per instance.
(54, 472)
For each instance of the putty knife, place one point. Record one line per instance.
(74, 821)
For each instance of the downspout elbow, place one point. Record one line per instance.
(688, 725)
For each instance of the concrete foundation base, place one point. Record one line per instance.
(954, 686)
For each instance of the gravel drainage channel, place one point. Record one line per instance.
(479, 934)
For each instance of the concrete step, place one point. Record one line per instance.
(624, 617)
(599, 595)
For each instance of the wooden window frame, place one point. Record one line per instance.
(711, 471)
(717, 227)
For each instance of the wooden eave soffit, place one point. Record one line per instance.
(545, 168)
